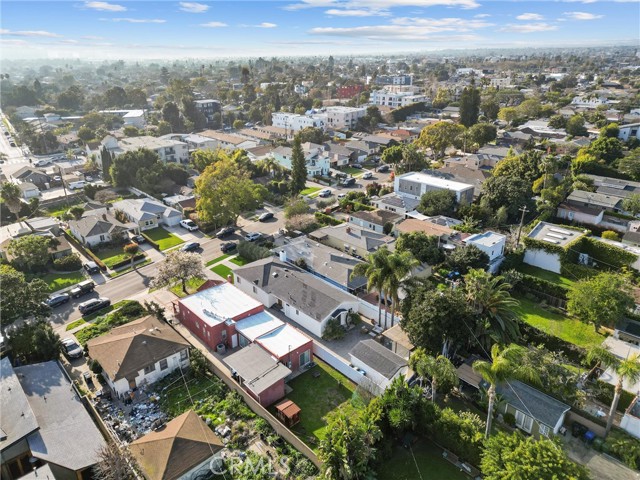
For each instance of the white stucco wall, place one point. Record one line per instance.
(540, 258)
(631, 424)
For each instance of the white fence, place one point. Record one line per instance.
(370, 311)
(337, 362)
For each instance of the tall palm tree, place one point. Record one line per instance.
(489, 296)
(375, 270)
(400, 265)
(504, 366)
(12, 197)
(627, 369)
(439, 369)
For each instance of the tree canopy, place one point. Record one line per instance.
(298, 167)
(423, 247)
(35, 342)
(21, 298)
(438, 202)
(30, 253)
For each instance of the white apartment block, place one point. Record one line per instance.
(396, 100)
(500, 82)
(344, 118)
(292, 122)
(415, 184)
(167, 149)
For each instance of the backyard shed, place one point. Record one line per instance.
(288, 413)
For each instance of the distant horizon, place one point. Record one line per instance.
(169, 30)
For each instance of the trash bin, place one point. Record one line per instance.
(597, 443)
(589, 437)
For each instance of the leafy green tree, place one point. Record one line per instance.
(509, 114)
(482, 133)
(71, 99)
(171, 115)
(312, 134)
(131, 131)
(392, 155)
(34, 343)
(423, 247)
(179, 266)
(12, 197)
(490, 107)
(201, 159)
(469, 106)
(630, 164)
(601, 300)
(131, 249)
(21, 298)
(511, 457)
(85, 134)
(30, 253)
(439, 136)
(125, 167)
(438, 369)
(504, 366)
(375, 269)
(438, 202)
(508, 191)
(606, 148)
(575, 126)
(611, 235)
(558, 122)
(463, 259)
(115, 97)
(610, 131)
(296, 206)
(298, 167)
(632, 203)
(76, 211)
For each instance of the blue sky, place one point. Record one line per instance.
(169, 29)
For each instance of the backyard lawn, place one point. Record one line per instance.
(221, 270)
(566, 328)
(62, 209)
(317, 397)
(163, 238)
(546, 275)
(422, 461)
(240, 261)
(58, 281)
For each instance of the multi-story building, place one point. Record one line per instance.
(341, 118)
(293, 122)
(396, 99)
(318, 161)
(208, 108)
(416, 184)
(349, 91)
(167, 149)
(405, 79)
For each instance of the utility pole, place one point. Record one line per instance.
(64, 187)
(524, 210)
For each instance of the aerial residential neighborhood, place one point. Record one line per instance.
(331, 240)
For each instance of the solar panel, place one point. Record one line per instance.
(555, 235)
(558, 230)
(551, 240)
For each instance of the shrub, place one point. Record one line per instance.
(604, 393)
(509, 419)
(95, 367)
(252, 252)
(610, 235)
(536, 284)
(333, 330)
(322, 204)
(69, 263)
(150, 240)
(324, 219)
(532, 336)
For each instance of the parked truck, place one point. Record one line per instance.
(82, 288)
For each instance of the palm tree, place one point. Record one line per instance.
(400, 265)
(489, 296)
(504, 365)
(626, 370)
(12, 196)
(375, 270)
(439, 369)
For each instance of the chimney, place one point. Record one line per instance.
(283, 256)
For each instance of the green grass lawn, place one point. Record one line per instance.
(221, 270)
(111, 256)
(240, 261)
(561, 326)
(163, 238)
(62, 209)
(310, 190)
(546, 275)
(318, 397)
(351, 170)
(58, 281)
(192, 286)
(129, 269)
(217, 259)
(422, 461)
(75, 324)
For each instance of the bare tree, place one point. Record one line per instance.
(179, 266)
(114, 464)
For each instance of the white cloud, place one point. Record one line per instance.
(378, 5)
(581, 16)
(91, 37)
(267, 25)
(68, 42)
(29, 33)
(193, 7)
(530, 16)
(482, 15)
(105, 6)
(139, 20)
(357, 13)
(214, 25)
(529, 27)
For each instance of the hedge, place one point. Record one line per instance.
(85, 251)
(543, 286)
(68, 263)
(127, 262)
(606, 255)
(151, 241)
(533, 336)
(326, 219)
(604, 392)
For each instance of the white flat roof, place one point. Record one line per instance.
(487, 239)
(217, 304)
(283, 340)
(256, 325)
(435, 181)
(555, 234)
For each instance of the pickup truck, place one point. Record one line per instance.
(82, 288)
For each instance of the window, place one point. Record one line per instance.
(297, 312)
(544, 430)
(149, 369)
(238, 279)
(524, 422)
(305, 357)
(255, 290)
(163, 364)
(183, 355)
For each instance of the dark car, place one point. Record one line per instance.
(228, 246)
(91, 267)
(138, 239)
(265, 216)
(383, 168)
(225, 231)
(93, 305)
(356, 165)
(56, 300)
(190, 247)
(349, 182)
(82, 288)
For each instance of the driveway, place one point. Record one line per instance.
(602, 467)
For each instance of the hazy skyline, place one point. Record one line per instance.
(163, 30)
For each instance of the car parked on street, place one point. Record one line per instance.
(189, 225)
(325, 193)
(225, 231)
(253, 236)
(190, 247)
(71, 348)
(57, 299)
(228, 246)
(93, 305)
(383, 168)
(82, 288)
(265, 216)
(367, 175)
(41, 163)
(349, 182)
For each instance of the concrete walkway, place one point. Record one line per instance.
(601, 466)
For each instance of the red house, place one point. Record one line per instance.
(349, 91)
(289, 345)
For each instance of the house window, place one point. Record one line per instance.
(238, 280)
(149, 369)
(297, 312)
(305, 357)
(255, 290)
(523, 422)
(544, 430)
(163, 364)
(183, 355)
(102, 238)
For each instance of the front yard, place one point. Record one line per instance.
(58, 281)
(192, 287)
(112, 255)
(317, 398)
(164, 239)
(240, 261)
(221, 270)
(561, 326)
(310, 190)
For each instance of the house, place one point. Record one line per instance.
(44, 424)
(28, 190)
(378, 364)
(343, 118)
(463, 174)
(339, 155)
(397, 340)
(327, 263)
(94, 229)
(446, 234)
(293, 122)
(476, 161)
(631, 419)
(183, 449)
(615, 187)
(354, 240)
(396, 203)
(377, 220)
(557, 237)
(168, 150)
(289, 345)
(228, 141)
(593, 208)
(194, 141)
(622, 349)
(208, 108)
(261, 375)
(535, 412)
(33, 176)
(317, 160)
(138, 353)
(491, 243)
(302, 297)
(416, 184)
(135, 118)
(147, 213)
(396, 99)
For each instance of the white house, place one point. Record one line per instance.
(344, 118)
(135, 118)
(629, 131)
(96, 228)
(590, 102)
(388, 98)
(228, 141)
(167, 149)
(147, 213)
(378, 364)
(555, 236)
(416, 184)
(138, 353)
(293, 122)
(304, 298)
(318, 161)
(491, 243)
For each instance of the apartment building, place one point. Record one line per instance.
(293, 122)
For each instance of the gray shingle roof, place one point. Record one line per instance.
(378, 357)
(97, 225)
(17, 419)
(257, 367)
(542, 407)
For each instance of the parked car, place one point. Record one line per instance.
(356, 165)
(93, 305)
(82, 288)
(41, 163)
(265, 216)
(228, 246)
(138, 239)
(58, 299)
(91, 267)
(383, 168)
(349, 182)
(225, 231)
(253, 236)
(13, 144)
(325, 193)
(189, 225)
(190, 247)
(342, 195)
(88, 178)
(367, 175)
(71, 348)
(76, 185)
(57, 178)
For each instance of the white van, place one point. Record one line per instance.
(76, 185)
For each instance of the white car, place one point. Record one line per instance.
(189, 225)
(342, 195)
(253, 236)
(71, 348)
(367, 175)
(41, 163)
(88, 178)
(325, 193)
